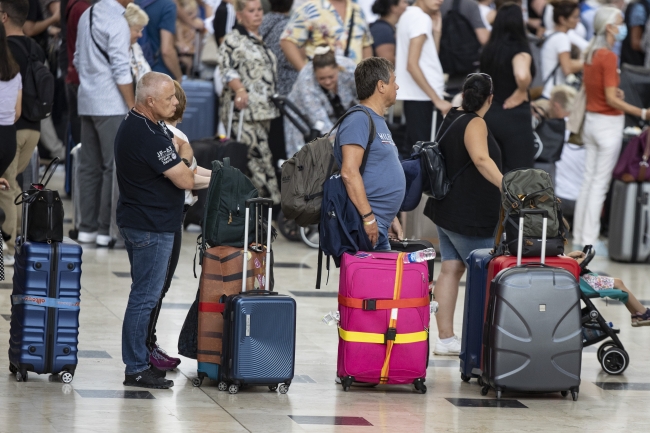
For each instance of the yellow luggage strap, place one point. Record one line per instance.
(367, 337)
(392, 325)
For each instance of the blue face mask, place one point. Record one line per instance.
(622, 32)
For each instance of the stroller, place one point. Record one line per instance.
(289, 228)
(612, 355)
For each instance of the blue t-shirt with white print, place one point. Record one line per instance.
(383, 177)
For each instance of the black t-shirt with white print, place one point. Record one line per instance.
(148, 200)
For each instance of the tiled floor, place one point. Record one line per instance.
(96, 401)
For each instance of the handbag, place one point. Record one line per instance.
(210, 51)
(632, 166)
(549, 137)
(577, 117)
(42, 210)
(436, 184)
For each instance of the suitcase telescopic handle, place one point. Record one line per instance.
(520, 243)
(259, 203)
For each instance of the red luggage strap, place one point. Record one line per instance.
(211, 307)
(383, 304)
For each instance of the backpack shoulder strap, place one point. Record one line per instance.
(372, 131)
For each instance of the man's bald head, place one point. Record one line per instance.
(155, 94)
(150, 86)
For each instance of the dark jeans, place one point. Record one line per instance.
(419, 119)
(149, 254)
(7, 146)
(171, 268)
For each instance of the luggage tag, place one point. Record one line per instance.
(363, 255)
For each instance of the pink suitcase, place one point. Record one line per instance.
(367, 300)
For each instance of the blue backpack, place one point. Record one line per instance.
(150, 55)
(341, 227)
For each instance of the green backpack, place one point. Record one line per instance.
(225, 207)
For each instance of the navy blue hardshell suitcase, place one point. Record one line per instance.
(45, 309)
(259, 346)
(199, 117)
(475, 290)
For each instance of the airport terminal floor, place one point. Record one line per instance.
(96, 400)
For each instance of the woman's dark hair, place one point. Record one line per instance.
(8, 66)
(382, 7)
(507, 29)
(324, 60)
(281, 6)
(563, 8)
(476, 90)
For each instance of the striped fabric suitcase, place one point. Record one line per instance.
(259, 346)
(221, 276)
(384, 324)
(45, 300)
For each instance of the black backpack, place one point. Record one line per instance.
(460, 49)
(38, 85)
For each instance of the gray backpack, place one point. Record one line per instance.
(304, 174)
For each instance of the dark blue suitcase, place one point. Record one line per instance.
(199, 117)
(44, 326)
(259, 341)
(259, 335)
(475, 291)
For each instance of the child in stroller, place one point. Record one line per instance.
(612, 355)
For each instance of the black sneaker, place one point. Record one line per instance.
(147, 379)
(157, 372)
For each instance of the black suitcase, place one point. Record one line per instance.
(533, 328)
(412, 245)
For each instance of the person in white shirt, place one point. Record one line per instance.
(418, 69)
(578, 35)
(488, 12)
(556, 51)
(137, 20)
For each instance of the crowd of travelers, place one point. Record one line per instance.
(118, 70)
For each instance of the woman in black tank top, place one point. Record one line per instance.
(467, 216)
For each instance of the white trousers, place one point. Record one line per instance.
(602, 136)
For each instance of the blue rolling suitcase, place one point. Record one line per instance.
(475, 291)
(259, 346)
(44, 326)
(199, 117)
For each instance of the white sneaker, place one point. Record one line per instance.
(103, 240)
(9, 260)
(451, 348)
(87, 237)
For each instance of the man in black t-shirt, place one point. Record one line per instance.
(152, 177)
(13, 16)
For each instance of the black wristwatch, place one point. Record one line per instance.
(189, 164)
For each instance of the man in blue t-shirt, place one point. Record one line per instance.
(379, 193)
(158, 39)
(152, 177)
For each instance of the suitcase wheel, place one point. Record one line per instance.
(197, 381)
(574, 395)
(485, 390)
(284, 388)
(498, 394)
(222, 386)
(66, 377)
(615, 361)
(233, 389)
(273, 387)
(12, 369)
(21, 376)
(464, 377)
(346, 382)
(420, 386)
(564, 393)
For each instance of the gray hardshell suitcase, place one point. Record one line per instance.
(628, 222)
(533, 327)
